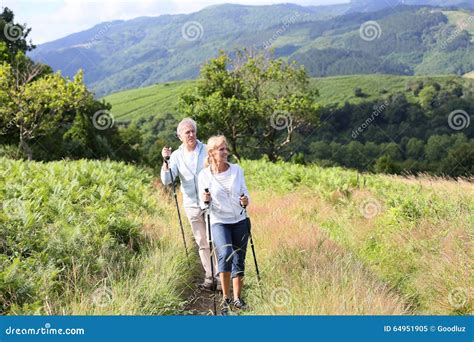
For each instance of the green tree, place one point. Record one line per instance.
(427, 97)
(415, 148)
(393, 150)
(13, 35)
(385, 164)
(437, 147)
(460, 161)
(252, 98)
(37, 106)
(320, 150)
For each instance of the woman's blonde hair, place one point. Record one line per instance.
(213, 144)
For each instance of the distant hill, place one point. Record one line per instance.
(410, 40)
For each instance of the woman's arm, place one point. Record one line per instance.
(203, 183)
(243, 185)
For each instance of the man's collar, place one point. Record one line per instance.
(198, 145)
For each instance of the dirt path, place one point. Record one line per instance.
(200, 302)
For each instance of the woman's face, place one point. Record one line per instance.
(221, 153)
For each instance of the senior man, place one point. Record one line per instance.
(186, 163)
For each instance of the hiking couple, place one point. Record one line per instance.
(207, 177)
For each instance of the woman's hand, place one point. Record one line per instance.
(244, 201)
(206, 196)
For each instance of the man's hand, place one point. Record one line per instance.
(166, 153)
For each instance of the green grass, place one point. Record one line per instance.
(86, 237)
(99, 237)
(143, 102)
(458, 18)
(338, 235)
(338, 89)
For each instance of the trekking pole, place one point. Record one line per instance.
(208, 215)
(167, 158)
(251, 239)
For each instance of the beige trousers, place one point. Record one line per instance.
(197, 221)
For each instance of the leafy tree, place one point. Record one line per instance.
(414, 148)
(359, 93)
(13, 35)
(385, 164)
(77, 138)
(393, 150)
(37, 106)
(460, 160)
(427, 97)
(252, 96)
(437, 147)
(320, 150)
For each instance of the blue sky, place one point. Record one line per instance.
(53, 19)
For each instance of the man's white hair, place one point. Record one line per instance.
(186, 122)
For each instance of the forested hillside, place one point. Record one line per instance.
(363, 37)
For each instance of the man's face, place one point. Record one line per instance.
(188, 135)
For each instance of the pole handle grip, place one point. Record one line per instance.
(243, 206)
(167, 158)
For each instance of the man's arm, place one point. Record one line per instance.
(167, 166)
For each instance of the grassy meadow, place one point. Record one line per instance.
(333, 242)
(86, 237)
(143, 102)
(89, 237)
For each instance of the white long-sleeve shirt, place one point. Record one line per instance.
(226, 189)
(182, 166)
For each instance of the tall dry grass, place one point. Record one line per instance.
(336, 243)
(304, 272)
(154, 283)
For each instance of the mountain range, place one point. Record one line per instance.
(411, 37)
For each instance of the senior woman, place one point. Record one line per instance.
(227, 195)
